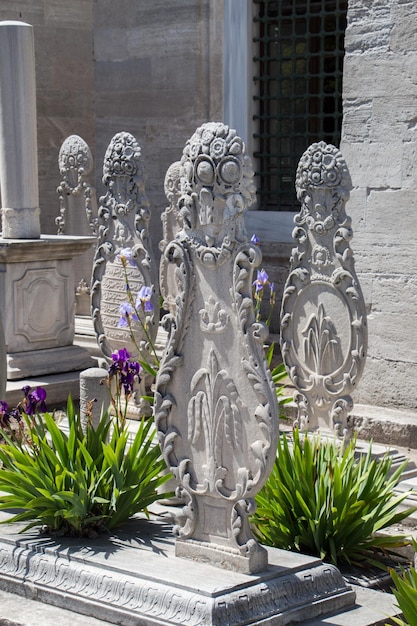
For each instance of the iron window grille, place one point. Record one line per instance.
(299, 68)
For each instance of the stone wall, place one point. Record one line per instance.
(65, 84)
(158, 75)
(379, 144)
(152, 68)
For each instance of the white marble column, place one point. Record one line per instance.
(18, 140)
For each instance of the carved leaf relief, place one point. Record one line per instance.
(213, 319)
(213, 415)
(322, 347)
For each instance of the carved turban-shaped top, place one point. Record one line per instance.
(216, 180)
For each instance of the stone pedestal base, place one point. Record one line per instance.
(133, 577)
(37, 296)
(227, 559)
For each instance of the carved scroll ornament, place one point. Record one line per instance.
(323, 319)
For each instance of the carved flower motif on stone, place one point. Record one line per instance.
(213, 319)
(218, 148)
(322, 348)
(320, 257)
(122, 156)
(214, 417)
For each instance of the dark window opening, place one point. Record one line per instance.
(299, 70)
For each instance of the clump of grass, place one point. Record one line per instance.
(81, 482)
(321, 500)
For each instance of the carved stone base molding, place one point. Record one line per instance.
(133, 577)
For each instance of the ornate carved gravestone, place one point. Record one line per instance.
(170, 227)
(216, 408)
(123, 233)
(323, 319)
(78, 209)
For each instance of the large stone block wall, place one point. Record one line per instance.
(152, 68)
(158, 75)
(379, 143)
(65, 84)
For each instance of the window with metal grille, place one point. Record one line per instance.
(299, 66)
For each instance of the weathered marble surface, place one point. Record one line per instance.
(123, 220)
(37, 300)
(170, 227)
(78, 210)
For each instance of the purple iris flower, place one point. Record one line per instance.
(126, 310)
(120, 356)
(143, 299)
(126, 256)
(34, 401)
(127, 370)
(262, 279)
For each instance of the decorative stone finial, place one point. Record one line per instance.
(323, 319)
(216, 184)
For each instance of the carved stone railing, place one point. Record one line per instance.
(215, 406)
(323, 319)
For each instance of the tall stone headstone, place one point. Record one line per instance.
(170, 227)
(123, 219)
(36, 286)
(18, 142)
(323, 318)
(215, 406)
(76, 191)
(78, 210)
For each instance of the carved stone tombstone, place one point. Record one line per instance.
(323, 318)
(170, 227)
(215, 405)
(123, 231)
(78, 209)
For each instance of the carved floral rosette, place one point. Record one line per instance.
(76, 168)
(323, 318)
(123, 223)
(215, 405)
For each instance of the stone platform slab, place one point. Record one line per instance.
(132, 578)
